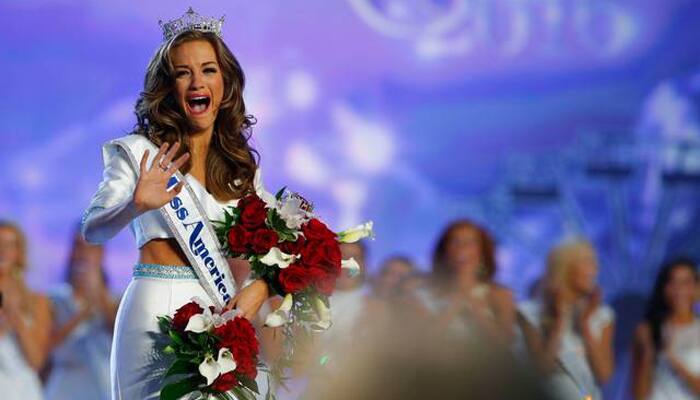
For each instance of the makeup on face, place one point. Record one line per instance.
(199, 84)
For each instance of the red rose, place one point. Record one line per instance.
(322, 253)
(237, 334)
(330, 250)
(294, 278)
(239, 239)
(311, 253)
(317, 230)
(247, 366)
(293, 247)
(253, 212)
(184, 313)
(323, 280)
(224, 382)
(264, 240)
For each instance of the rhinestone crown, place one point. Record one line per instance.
(191, 21)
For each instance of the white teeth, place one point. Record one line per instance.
(199, 108)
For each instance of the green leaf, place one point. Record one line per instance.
(169, 349)
(280, 192)
(165, 324)
(176, 390)
(181, 367)
(176, 337)
(243, 393)
(249, 383)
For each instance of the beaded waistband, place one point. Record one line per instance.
(164, 271)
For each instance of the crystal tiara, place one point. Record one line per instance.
(191, 21)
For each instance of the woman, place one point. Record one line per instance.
(393, 273)
(666, 353)
(464, 296)
(192, 107)
(24, 321)
(83, 314)
(569, 331)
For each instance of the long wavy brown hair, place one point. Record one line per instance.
(442, 272)
(231, 161)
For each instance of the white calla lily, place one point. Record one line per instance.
(210, 369)
(324, 315)
(352, 235)
(277, 257)
(260, 190)
(351, 266)
(200, 322)
(226, 361)
(280, 316)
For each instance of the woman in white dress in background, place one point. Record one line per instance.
(83, 315)
(463, 296)
(666, 354)
(569, 331)
(192, 108)
(25, 321)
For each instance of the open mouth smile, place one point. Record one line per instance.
(198, 104)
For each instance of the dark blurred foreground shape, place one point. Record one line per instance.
(421, 363)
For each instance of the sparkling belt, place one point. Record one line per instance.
(164, 271)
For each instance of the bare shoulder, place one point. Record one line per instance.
(500, 294)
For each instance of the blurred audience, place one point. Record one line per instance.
(348, 300)
(666, 353)
(25, 321)
(393, 289)
(407, 335)
(391, 279)
(462, 295)
(568, 330)
(411, 361)
(83, 313)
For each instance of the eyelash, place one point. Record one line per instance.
(206, 70)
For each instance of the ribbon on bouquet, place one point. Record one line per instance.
(189, 225)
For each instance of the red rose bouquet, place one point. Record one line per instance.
(216, 354)
(290, 248)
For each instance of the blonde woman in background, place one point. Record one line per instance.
(569, 330)
(25, 320)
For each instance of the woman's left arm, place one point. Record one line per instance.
(599, 351)
(250, 298)
(34, 339)
(108, 306)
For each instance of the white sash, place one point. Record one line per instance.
(188, 223)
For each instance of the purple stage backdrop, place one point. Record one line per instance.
(540, 119)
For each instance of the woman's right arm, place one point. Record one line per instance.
(642, 362)
(112, 207)
(59, 334)
(125, 194)
(542, 343)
